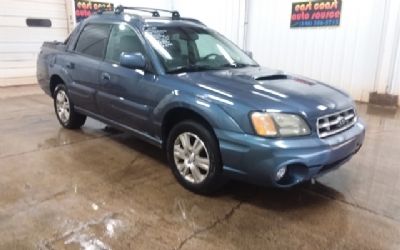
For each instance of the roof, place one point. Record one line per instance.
(151, 17)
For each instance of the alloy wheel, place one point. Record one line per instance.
(191, 157)
(63, 106)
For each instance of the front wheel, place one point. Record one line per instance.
(194, 156)
(64, 108)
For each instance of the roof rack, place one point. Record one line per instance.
(154, 12)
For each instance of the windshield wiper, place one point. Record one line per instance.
(196, 68)
(238, 65)
(186, 68)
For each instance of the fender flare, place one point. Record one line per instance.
(209, 111)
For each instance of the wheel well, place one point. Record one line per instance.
(54, 81)
(177, 115)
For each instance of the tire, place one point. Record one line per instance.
(64, 109)
(190, 161)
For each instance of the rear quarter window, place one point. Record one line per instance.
(93, 40)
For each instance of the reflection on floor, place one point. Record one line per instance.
(100, 189)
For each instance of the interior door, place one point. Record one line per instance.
(121, 97)
(83, 65)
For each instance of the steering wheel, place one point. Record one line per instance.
(207, 57)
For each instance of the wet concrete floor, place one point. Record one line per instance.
(97, 189)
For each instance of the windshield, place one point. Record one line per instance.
(184, 49)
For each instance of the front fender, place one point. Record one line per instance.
(211, 112)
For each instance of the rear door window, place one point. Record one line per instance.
(93, 40)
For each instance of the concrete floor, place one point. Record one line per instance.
(96, 189)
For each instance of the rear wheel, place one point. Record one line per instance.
(64, 108)
(194, 156)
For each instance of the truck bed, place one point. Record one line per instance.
(46, 60)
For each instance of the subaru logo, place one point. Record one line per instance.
(342, 122)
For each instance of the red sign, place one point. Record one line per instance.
(84, 9)
(316, 13)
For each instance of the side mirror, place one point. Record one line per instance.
(249, 53)
(132, 60)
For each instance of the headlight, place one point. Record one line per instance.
(263, 124)
(279, 124)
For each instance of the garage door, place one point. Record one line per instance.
(20, 43)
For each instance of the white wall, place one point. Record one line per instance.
(344, 56)
(359, 56)
(20, 44)
(225, 16)
(388, 71)
(395, 79)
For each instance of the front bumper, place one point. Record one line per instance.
(256, 159)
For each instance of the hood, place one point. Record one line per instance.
(265, 89)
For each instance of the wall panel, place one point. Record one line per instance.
(225, 16)
(344, 56)
(20, 44)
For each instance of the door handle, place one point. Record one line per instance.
(105, 77)
(70, 65)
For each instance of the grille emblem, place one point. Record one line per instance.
(332, 124)
(342, 122)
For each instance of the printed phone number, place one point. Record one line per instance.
(313, 23)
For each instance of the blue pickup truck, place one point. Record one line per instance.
(185, 88)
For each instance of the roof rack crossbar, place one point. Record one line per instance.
(155, 12)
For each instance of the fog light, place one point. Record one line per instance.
(280, 173)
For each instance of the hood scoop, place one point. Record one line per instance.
(271, 77)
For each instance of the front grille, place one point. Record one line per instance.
(335, 123)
